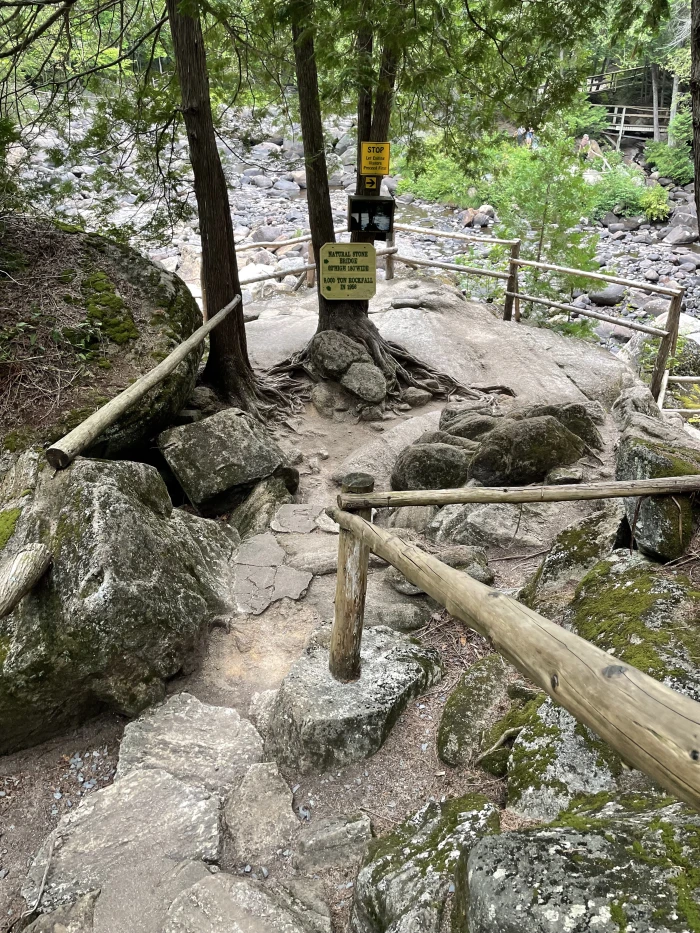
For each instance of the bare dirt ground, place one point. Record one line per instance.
(41, 784)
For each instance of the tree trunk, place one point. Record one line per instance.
(695, 94)
(228, 368)
(674, 109)
(655, 100)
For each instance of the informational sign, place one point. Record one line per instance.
(348, 271)
(374, 158)
(371, 184)
(373, 215)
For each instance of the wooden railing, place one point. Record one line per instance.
(677, 380)
(650, 725)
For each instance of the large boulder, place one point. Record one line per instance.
(609, 296)
(519, 452)
(574, 416)
(332, 353)
(217, 460)
(319, 723)
(259, 816)
(649, 449)
(472, 425)
(406, 876)
(366, 381)
(431, 466)
(608, 865)
(133, 587)
(492, 524)
(254, 514)
(471, 707)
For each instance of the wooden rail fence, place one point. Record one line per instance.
(650, 725)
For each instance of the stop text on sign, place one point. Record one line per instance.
(348, 271)
(374, 158)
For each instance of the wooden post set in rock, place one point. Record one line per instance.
(650, 725)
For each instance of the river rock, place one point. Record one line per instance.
(405, 879)
(431, 466)
(582, 876)
(366, 381)
(608, 296)
(254, 514)
(520, 452)
(572, 415)
(132, 589)
(196, 743)
(649, 448)
(680, 235)
(217, 460)
(259, 816)
(319, 723)
(223, 903)
(332, 353)
(471, 707)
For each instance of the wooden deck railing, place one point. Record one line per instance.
(650, 725)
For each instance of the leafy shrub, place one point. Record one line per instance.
(654, 202)
(619, 190)
(675, 163)
(436, 177)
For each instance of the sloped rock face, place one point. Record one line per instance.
(569, 877)
(470, 708)
(319, 723)
(133, 586)
(520, 452)
(217, 460)
(649, 449)
(405, 879)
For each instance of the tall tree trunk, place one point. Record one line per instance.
(655, 100)
(674, 109)
(228, 367)
(364, 48)
(695, 94)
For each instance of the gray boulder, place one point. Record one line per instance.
(431, 466)
(73, 918)
(332, 353)
(133, 587)
(199, 744)
(366, 381)
(217, 460)
(319, 723)
(649, 448)
(405, 879)
(332, 841)
(572, 415)
(493, 524)
(416, 397)
(442, 437)
(520, 452)
(472, 424)
(680, 236)
(608, 296)
(223, 903)
(582, 876)
(470, 708)
(636, 399)
(254, 515)
(259, 816)
(456, 410)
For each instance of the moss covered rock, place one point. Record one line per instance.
(573, 415)
(470, 709)
(575, 551)
(643, 616)
(431, 466)
(649, 449)
(132, 588)
(503, 733)
(609, 865)
(519, 452)
(253, 516)
(406, 876)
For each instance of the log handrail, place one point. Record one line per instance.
(601, 277)
(567, 492)
(63, 452)
(650, 725)
(588, 312)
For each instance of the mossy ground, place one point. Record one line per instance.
(8, 521)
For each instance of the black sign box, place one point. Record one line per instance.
(371, 215)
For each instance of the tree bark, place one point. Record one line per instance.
(228, 368)
(655, 100)
(674, 110)
(695, 93)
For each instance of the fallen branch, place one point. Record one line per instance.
(508, 734)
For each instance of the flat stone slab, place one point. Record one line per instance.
(227, 904)
(334, 840)
(319, 723)
(259, 816)
(299, 518)
(140, 841)
(261, 551)
(261, 577)
(202, 745)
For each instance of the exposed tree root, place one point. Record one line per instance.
(266, 397)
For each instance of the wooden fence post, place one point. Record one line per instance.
(390, 257)
(512, 284)
(668, 344)
(351, 588)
